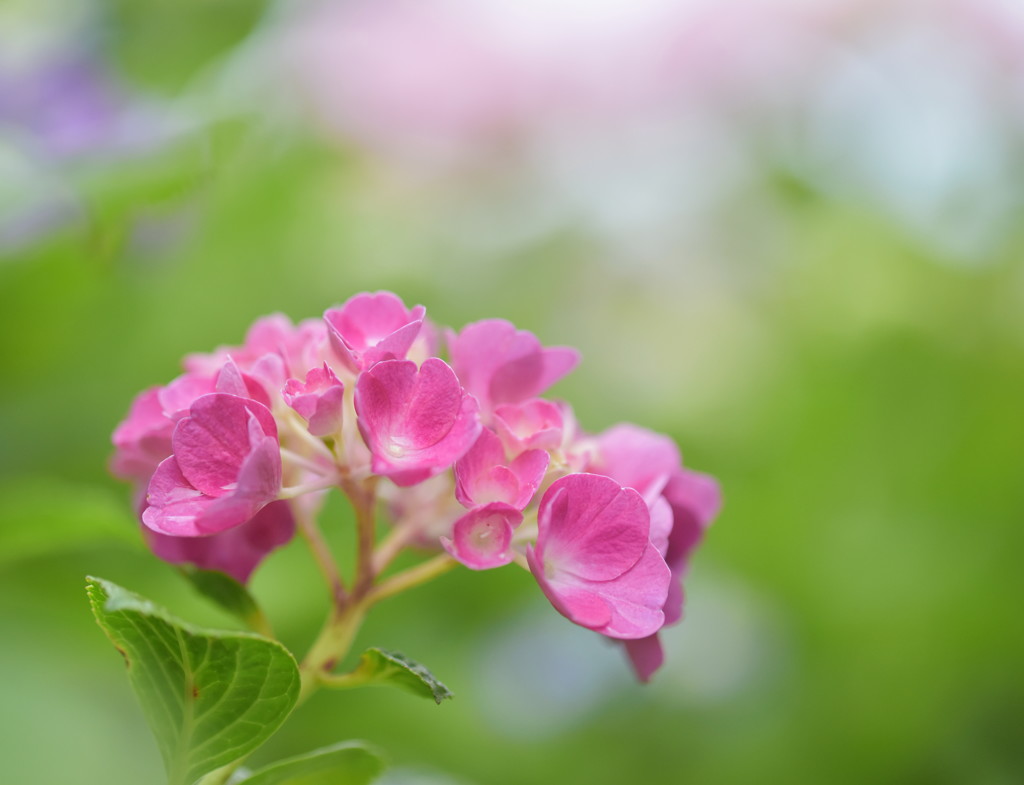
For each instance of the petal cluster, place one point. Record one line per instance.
(461, 452)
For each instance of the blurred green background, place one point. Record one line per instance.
(834, 331)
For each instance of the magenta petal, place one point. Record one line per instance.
(178, 396)
(319, 400)
(416, 422)
(661, 524)
(529, 469)
(498, 364)
(637, 597)
(142, 439)
(529, 375)
(482, 476)
(435, 403)
(259, 477)
(591, 527)
(237, 551)
(534, 424)
(370, 328)
(576, 604)
(645, 655)
(211, 443)
(481, 538)
(696, 500)
(636, 458)
(232, 381)
(674, 601)
(174, 504)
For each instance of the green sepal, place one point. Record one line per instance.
(210, 697)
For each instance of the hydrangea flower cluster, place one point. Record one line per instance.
(235, 456)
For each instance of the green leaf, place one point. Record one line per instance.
(347, 763)
(210, 697)
(43, 515)
(378, 666)
(230, 595)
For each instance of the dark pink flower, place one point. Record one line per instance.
(226, 466)
(369, 328)
(484, 474)
(416, 421)
(481, 538)
(594, 559)
(319, 400)
(237, 551)
(499, 364)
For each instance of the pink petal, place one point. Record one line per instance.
(591, 527)
(661, 524)
(142, 439)
(435, 403)
(636, 458)
(319, 400)
(369, 328)
(696, 500)
(483, 475)
(211, 443)
(646, 656)
(178, 396)
(232, 381)
(481, 538)
(636, 597)
(498, 364)
(578, 605)
(531, 374)
(416, 422)
(533, 424)
(174, 504)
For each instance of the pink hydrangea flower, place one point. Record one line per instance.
(319, 400)
(237, 551)
(416, 421)
(225, 468)
(484, 474)
(613, 532)
(482, 538)
(369, 328)
(594, 559)
(499, 364)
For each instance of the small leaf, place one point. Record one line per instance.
(210, 697)
(229, 594)
(378, 666)
(348, 763)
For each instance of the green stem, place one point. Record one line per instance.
(411, 577)
(330, 647)
(323, 558)
(363, 497)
